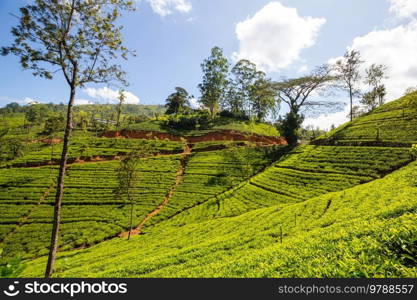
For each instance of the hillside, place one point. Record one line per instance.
(222, 207)
(393, 124)
(368, 230)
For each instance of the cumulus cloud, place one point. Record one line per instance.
(275, 36)
(396, 49)
(325, 121)
(167, 7)
(110, 96)
(403, 8)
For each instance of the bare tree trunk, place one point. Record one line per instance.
(60, 189)
(351, 104)
(119, 111)
(131, 215)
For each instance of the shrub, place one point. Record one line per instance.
(414, 151)
(188, 122)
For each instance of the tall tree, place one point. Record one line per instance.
(375, 74)
(348, 73)
(296, 93)
(80, 38)
(215, 69)
(244, 74)
(122, 99)
(177, 102)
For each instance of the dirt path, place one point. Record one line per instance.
(178, 179)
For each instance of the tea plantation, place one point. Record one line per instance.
(366, 231)
(92, 212)
(343, 206)
(394, 123)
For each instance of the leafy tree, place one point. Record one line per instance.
(290, 126)
(177, 102)
(262, 95)
(122, 99)
(239, 96)
(80, 38)
(13, 107)
(32, 116)
(374, 76)
(128, 178)
(53, 124)
(347, 70)
(10, 148)
(296, 93)
(213, 88)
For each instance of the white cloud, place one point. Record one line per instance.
(167, 7)
(325, 121)
(194, 103)
(111, 96)
(30, 101)
(403, 9)
(395, 48)
(82, 102)
(275, 36)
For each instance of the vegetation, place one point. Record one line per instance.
(347, 72)
(296, 94)
(200, 192)
(365, 231)
(391, 124)
(81, 39)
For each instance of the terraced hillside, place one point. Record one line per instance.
(90, 148)
(394, 123)
(304, 173)
(365, 231)
(91, 211)
(344, 208)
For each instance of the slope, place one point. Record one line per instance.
(393, 124)
(367, 230)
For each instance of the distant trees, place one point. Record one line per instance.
(297, 94)
(244, 92)
(215, 70)
(178, 102)
(410, 90)
(348, 73)
(80, 38)
(242, 77)
(263, 98)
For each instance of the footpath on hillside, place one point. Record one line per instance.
(178, 180)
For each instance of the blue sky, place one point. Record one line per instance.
(172, 37)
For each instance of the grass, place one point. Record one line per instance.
(220, 123)
(90, 147)
(391, 124)
(92, 213)
(304, 173)
(364, 231)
